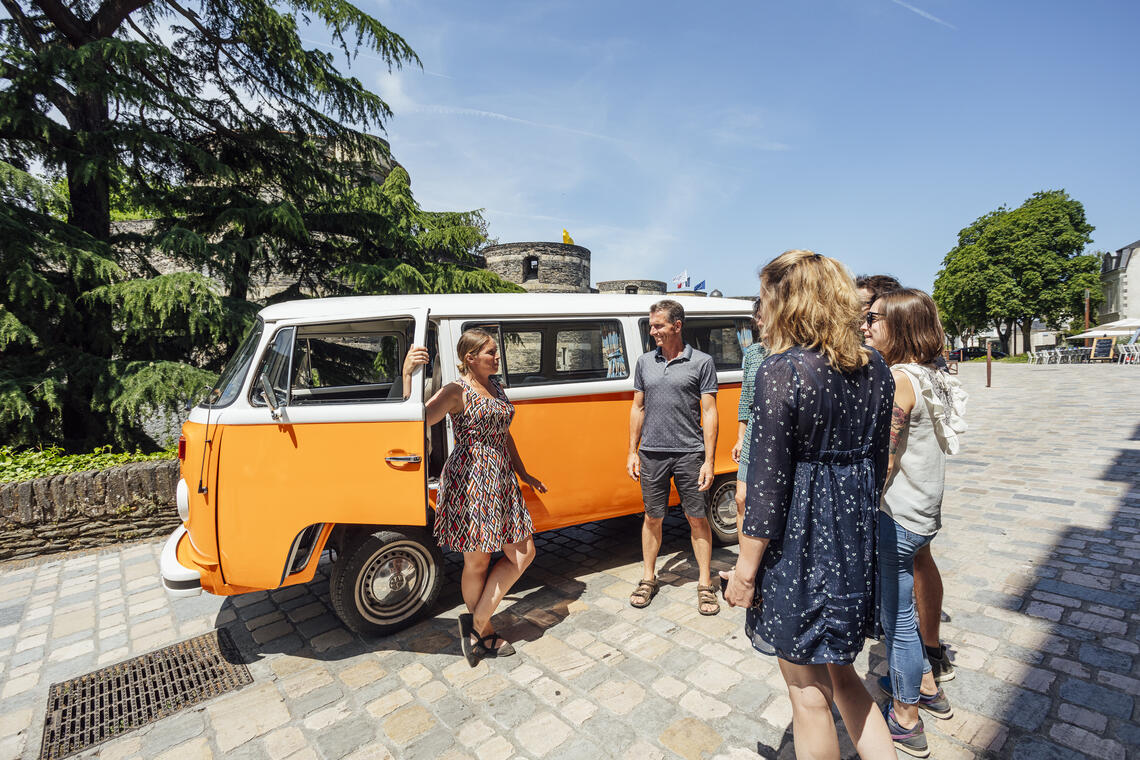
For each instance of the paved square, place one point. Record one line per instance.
(1039, 554)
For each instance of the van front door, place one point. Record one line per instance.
(340, 444)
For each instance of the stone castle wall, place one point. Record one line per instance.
(562, 268)
(81, 510)
(643, 287)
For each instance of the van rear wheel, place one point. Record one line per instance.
(385, 581)
(722, 510)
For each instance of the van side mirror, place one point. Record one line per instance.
(269, 396)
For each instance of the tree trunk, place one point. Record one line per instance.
(90, 196)
(1003, 335)
(1027, 333)
(240, 269)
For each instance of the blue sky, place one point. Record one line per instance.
(668, 136)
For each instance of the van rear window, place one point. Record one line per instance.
(546, 352)
(725, 339)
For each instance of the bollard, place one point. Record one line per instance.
(989, 361)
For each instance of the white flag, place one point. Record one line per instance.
(682, 280)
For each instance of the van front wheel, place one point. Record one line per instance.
(382, 582)
(722, 511)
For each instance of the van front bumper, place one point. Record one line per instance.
(177, 579)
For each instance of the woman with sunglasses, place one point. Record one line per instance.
(818, 458)
(903, 325)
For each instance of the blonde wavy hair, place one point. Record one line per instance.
(810, 301)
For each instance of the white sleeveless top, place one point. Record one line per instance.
(913, 494)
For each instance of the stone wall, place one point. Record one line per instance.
(642, 287)
(561, 268)
(81, 510)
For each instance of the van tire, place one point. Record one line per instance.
(721, 510)
(413, 566)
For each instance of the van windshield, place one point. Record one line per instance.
(229, 384)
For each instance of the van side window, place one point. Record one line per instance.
(723, 338)
(346, 363)
(545, 352)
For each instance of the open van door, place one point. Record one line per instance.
(332, 442)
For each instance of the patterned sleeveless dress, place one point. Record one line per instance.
(480, 506)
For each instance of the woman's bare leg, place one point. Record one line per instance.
(813, 728)
(516, 558)
(861, 716)
(474, 577)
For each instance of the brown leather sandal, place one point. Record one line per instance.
(644, 593)
(706, 595)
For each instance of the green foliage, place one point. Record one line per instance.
(1012, 266)
(248, 153)
(16, 465)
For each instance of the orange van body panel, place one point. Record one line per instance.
(201, 466)
(577, 446)
(280, 479)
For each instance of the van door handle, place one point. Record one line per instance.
(409, 458)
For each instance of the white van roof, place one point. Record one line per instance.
(491, 305)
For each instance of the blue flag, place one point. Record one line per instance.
(699, 286)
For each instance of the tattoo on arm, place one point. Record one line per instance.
(899, 421)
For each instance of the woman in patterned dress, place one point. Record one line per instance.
(818, 458)
(752, 358)
(480, 509)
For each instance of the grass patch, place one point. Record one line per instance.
(38, 463)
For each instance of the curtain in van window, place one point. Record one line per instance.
(614, 353)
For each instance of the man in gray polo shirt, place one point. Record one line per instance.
(672, 435)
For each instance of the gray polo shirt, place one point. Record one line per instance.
(673, 399)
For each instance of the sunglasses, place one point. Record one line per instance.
(873, 317)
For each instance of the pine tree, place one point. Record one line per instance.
(252, 154)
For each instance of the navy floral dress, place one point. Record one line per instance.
(817, 467)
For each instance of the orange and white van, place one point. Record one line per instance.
(307, 443)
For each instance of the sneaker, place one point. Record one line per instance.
(910, 740)
(935, 704)
(941, 667)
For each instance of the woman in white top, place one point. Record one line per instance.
(903, 325)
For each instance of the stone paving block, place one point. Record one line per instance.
(284, 742)
(175, 730)
(497, 748)
(195, 749)
(1096, 698)
(506, 710)
(345, 736)
(542, 733)
(389, 702)
(690, 738)
(407, 723)
(250, 713)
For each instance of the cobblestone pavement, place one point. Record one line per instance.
(1039, 554)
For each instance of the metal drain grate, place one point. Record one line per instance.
(103, 705)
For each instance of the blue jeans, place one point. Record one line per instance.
(905, 655)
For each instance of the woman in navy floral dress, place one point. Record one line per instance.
(480, 509)
(818, 459)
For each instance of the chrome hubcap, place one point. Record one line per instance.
(392, 582)
(724, 508)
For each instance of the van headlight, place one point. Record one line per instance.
(182, 499)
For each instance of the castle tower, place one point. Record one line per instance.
(541, 267)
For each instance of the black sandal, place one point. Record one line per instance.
(487, 645)
(466, 631)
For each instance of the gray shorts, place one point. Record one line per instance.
(657, 467)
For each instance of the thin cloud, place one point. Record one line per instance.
(455, 111)
(924, 14)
